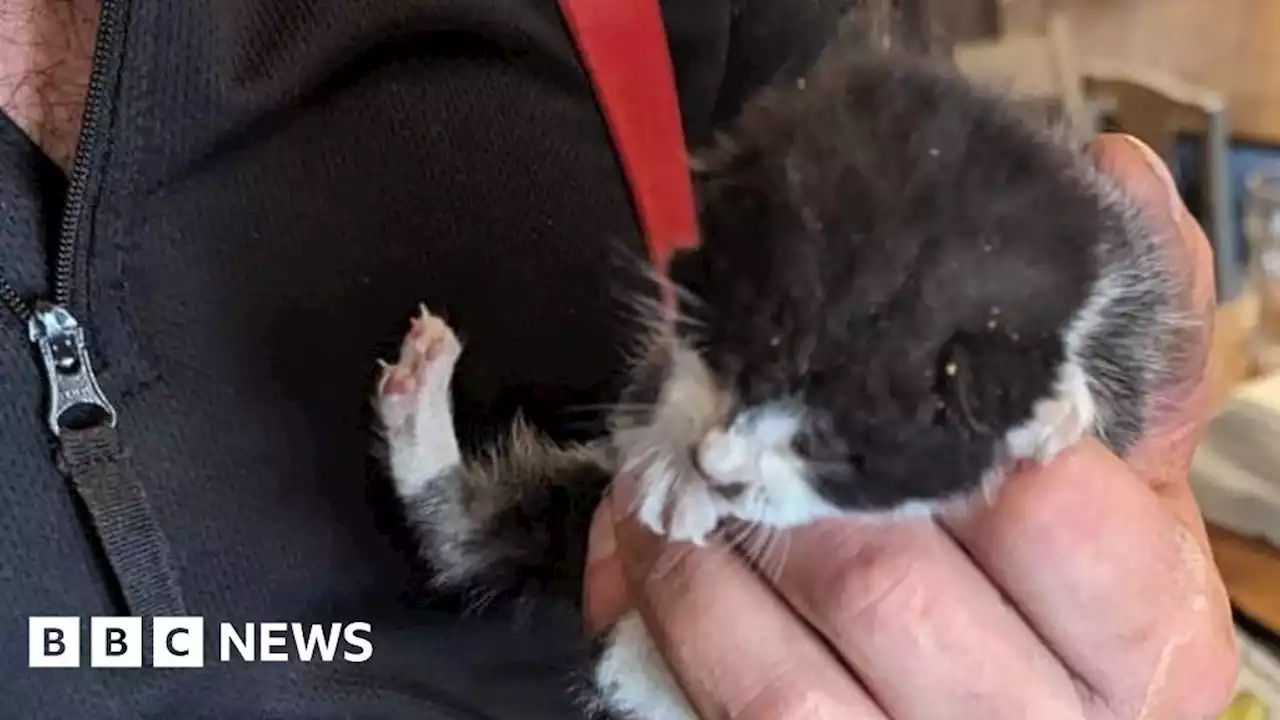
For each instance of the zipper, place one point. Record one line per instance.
(82, 420)
(76, 402)
(75, 399)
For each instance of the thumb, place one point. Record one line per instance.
(1162, 457)
(1145, 178)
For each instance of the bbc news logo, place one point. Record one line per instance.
(179, 642)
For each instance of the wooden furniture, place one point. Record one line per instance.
(1034, 66)
(1251, 571)
(1250, 568)
(1228, 46)
(1158, 108)
(1037, 58)
(1230, 360)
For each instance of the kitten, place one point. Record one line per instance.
(903, 286)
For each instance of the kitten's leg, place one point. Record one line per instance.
(631, 680)
(515, 518)
(521, 515)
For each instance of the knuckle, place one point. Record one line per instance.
(862, 587)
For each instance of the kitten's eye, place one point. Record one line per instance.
(953, 388)
(802, 446)
(816, 441)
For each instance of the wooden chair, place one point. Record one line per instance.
(1159, 108)
(1042, 67)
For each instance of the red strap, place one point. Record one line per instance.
(624, 46)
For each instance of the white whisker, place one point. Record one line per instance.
(669, 559)
(776, 560)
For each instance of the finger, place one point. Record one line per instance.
(604, 585)
(1163, 456)
(1124, 595)
(927, 634)
(736, 649)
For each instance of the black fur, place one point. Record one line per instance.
(512, 525)
(869, 228)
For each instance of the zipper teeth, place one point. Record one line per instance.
(64, 268)
(65, 262)
(14, 301)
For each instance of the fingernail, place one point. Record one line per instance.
(1161, 169)
(602, 543)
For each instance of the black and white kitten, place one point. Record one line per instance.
(903, 286)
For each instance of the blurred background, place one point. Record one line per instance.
(1199, 81)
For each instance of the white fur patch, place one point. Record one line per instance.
(756, 452)
(687, 437)
(632, 677)
(1058, 422)
(1073, 412)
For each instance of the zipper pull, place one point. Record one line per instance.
(76, 402)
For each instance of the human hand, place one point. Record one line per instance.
(1086, 591)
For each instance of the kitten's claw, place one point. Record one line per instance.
(413, 402)
(686, 512)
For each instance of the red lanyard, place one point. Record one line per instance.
(623, 45)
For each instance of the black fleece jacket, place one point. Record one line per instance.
(265, 192)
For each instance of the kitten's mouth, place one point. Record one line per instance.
(730, 490)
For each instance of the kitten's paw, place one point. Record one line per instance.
(679, 511)
(413, 403)
(632, 681)
(427, 357)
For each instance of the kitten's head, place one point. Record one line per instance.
(902, 287)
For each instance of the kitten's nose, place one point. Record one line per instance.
(721, 454)
(721, 458)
